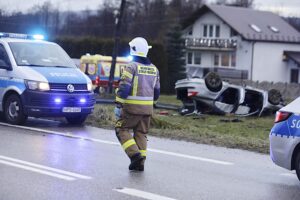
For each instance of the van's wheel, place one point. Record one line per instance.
(102, 90)
(13, 110)
(213, 82)
(76, 120)
(274, 96)
(297, 165)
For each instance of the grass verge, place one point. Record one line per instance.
(249, 133)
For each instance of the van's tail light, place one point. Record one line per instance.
(281, 116)
(97, 81)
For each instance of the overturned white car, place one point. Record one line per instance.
(212, 95)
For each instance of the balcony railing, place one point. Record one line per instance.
(207, 43)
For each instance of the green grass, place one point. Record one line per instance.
(169, 99)
(249, 134)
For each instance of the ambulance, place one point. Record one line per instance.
(97, 68)
(38, 79)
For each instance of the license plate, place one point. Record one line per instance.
(71, 109)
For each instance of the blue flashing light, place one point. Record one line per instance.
(129, 58)
(82, 100)
(57, 100)
(21, 36)
(38, 37)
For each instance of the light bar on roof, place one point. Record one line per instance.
(38, 37)
(21, 36)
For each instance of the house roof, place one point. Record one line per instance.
(293, 55)
(251, 24)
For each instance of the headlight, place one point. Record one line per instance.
(35, 85)
(90, 86)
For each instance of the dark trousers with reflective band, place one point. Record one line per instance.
(136, 143)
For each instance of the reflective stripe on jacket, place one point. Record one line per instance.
(136, 89)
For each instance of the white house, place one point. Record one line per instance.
(242, 43)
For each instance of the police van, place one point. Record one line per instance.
(285, 137)
(38, 79)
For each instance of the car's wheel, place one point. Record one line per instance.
(13, 110)
(76, 120)
(213, 82)
(297, 165)
(274, 96)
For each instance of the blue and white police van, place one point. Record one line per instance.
(39, 79)
(285, 137)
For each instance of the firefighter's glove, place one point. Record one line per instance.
(118, 111)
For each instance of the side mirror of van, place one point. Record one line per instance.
(4, 65)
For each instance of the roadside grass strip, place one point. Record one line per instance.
(41, 169)
(141, 194)
(70, 135)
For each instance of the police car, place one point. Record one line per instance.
(38, 78)
(285, 137)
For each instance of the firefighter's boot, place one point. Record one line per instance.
(136, 161)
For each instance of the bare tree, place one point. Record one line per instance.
(237, 3)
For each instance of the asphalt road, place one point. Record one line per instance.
(56, 161)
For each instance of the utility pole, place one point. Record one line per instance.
(118, 23)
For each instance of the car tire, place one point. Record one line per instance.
(76, 120)
(297, 165)
(213, 82)
(13, 110)
(274, 96)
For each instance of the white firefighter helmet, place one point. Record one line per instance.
(139, 47)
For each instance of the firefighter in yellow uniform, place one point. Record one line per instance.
(138, 90)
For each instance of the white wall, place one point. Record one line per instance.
(244, 55)
(268, 64)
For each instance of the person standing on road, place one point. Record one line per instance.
(138, 90)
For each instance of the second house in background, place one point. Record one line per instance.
(241, 43)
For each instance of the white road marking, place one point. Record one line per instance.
(116, 143)
(67, 178)
(22, 162)
(191, 157)
(142, 194)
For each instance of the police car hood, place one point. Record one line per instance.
(293, 107)
(55, 74)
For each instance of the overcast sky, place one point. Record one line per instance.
(283, 7)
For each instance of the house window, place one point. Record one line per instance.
(233, 33)
(197, 58)
(190, 31)
(255, 28)
(189, 58)
(205, 31)
(294, 75)
(217, 31)
(233, 59)
(211, 30)
(216, 59)
(225, 59)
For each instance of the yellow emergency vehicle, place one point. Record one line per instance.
(97, 68)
